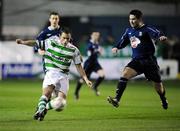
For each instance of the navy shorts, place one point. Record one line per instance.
(90, 67)
(148, 66)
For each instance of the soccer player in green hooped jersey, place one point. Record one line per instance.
(59, 54)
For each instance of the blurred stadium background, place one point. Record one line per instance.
(26, 18)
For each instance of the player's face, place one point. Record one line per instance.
(64, 38)
(95, 36)
(134, 22)
(54, 20)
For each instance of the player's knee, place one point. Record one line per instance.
(59, 104)
(125, 75)
(102, 77)
(81, 80)
(54, 94)
(123, 79)
(129, 73)
(101, 73)
(158, 85)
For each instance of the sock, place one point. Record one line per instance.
(120, 88)
(42, 102)
(78, 87)
(162, 95)
(49, 106)
(98, 81)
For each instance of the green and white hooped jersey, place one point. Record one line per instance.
(58, 56)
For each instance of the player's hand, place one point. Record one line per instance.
(88, 83)
(162, 38)
(114, 50)
(19, 41)
(41, 52)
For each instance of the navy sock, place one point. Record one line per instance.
(162, 95)
(98, 81)
(78, 87)
(120, 88)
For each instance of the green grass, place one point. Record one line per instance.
(140, 108)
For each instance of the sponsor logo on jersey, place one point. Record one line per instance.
(134, 42)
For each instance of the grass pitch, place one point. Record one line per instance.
(139, 110)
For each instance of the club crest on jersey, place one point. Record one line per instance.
(134, 42)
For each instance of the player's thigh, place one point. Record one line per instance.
(63, 86)
(61, 95)
(47, 91)
(49, 84)
(98, 69)
(158, 85)
(153, 75)
(100, 72)
(88, 72)
(129, 73)
(51, 78)
(152, 71)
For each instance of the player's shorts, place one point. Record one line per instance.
(148, 66)
(58, 79)
(91, 67)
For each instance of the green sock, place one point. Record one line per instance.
(42, 102)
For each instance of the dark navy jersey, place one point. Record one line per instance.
(46, 33)
(141, 39)
(93, 52)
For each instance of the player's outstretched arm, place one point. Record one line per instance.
(83, 75)
(26, 42)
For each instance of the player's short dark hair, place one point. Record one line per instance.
(54, 13)
(136, 13)
(65, 30)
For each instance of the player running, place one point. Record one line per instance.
(141, 37)
(92, 64)
(59, 54)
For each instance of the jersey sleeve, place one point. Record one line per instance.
(124, 41)
(40, 44)
(77, 57)
(43, 44)
(154, 32)
(40, 40)
(41, 35)
(89, 49)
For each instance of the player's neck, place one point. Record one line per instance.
(64, 44)
(141, 25)
(54, 27)
(94, 41)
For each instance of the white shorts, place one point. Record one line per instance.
(58, 79)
